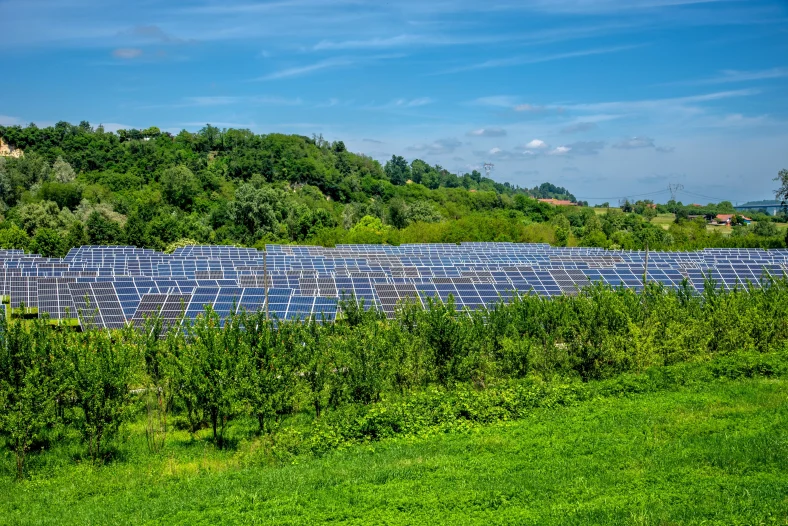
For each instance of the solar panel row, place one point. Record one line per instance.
(109, 286)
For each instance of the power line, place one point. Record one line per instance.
(715, 199)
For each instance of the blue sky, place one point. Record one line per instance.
(608, 98)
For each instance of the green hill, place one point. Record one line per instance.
(78, 185)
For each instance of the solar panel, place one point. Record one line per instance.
(109, 285)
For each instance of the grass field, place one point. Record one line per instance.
(664, 220)
(709, 455)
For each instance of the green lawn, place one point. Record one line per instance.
(664, 220)
(710, 455)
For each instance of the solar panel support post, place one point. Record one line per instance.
(265, 281)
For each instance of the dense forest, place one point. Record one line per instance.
(78, 185)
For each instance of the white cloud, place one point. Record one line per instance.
(127, 53)
(560, 150)
(516, 61)
(309, 68)
(498, 101)
(634, 143)
(536, 144)
(438, 147)
(675, 103)
(488, 132)
(211, 101)
(529, 107)
(732, 75)
(495, 150)
(413, 103)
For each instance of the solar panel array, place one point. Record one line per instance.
(109, 286)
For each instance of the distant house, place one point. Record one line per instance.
(696, 205)
(558, 202)
(725, 219)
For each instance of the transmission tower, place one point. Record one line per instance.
(674, 189)
(488, 169)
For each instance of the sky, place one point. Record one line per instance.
(610, 99)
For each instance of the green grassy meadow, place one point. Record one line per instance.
(712, 453)
(664, 220)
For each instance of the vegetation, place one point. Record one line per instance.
(76, 185)
(308, 387)
(684, 444)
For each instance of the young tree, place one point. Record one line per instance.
(28, 385)
(268, 379)
(100, 374)
(314, 362)
(210, 365)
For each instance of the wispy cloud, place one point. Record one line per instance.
(401, 104)
(586, 147)
(579, 127)
(438, 147)
(127, 53)
(220, 100)
(733, 75)
(498, 101)
(534, 59)
(487, 132)
(331, 63)
(674, 102)
(607, 6)
(152, 33)
(634, 143)
(407, 39)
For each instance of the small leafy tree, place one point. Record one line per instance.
(157, 350)
(212, 363)
(268, 379)
(101, 368)
(315, 362)
(28, 385)
(444, 335)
